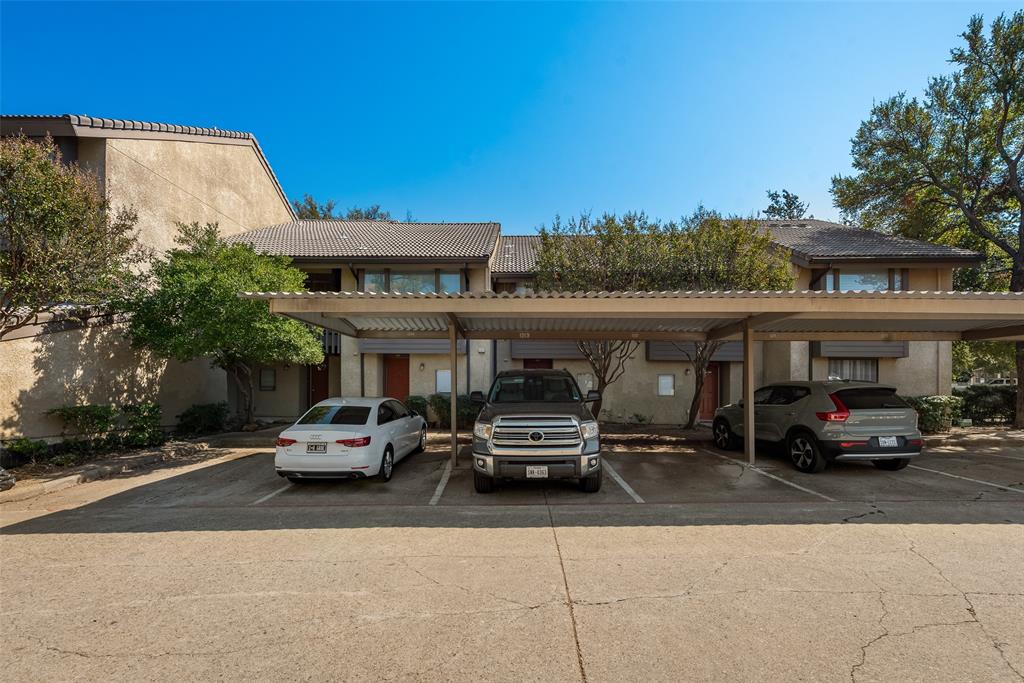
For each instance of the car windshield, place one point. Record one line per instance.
(335, 415)
(535, 388)
(871, 398)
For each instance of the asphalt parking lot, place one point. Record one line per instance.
(686, 565)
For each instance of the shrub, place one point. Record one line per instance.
(91, 425)
(419, 404)
(203, 418)
(985, 405)
(936, 413)
(142, 425)
(466, 411)
(25, 449)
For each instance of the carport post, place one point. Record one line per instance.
(453, 359)
(748, 390)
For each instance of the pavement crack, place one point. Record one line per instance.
(875, 510)
(568, 595)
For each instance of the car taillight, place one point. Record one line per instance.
(852, 444)
(355, 443)
(284, 442)
(840, 414)
(916, 442)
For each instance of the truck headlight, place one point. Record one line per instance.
(589, 430)
(482, 430)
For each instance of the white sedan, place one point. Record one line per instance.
(349, 438)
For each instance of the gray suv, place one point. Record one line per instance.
(536, 424)
(820, 422)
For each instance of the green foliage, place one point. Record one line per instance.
(142, 426)
(309, 208)
(988, 357)
(640, 419)
(203, 418)
(784, 206)
(987, 405)
(936, 413)
(26, 449)
(466, 411)
(88, 423)
(418, 404)
(193, 309)
(62, 244)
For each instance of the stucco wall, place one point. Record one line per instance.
(92, 365)
(170, 181)
(287, 400)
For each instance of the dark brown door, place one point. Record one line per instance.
(319, 383)
(538, 364)
(709, 395)
(396, 376)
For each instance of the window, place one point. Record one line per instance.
(415, 281)
(268, 379)
(375, 281)
(336, 415)
(871, 399)
(534, 387)
(399, 409)
(762, 395)
(321, 282)
(449, 282)
(865, 280)
(666, 385)
(442, 381)
(859, 369)
(385, 413)
(783, 396)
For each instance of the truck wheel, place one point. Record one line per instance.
(591, 484)
(891, 464)
(804, 453)
(482, 483)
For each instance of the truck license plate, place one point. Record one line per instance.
(887, 442)
(536, 471)
(316, 447)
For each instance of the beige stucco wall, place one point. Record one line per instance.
(287, 400)
(94, 365)
(169, 181)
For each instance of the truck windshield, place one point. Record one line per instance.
(535, 388)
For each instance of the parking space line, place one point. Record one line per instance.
(760, 471)
(622, 482)
(441, 484)
(976, 481)
(267, 497)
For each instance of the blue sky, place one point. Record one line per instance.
(507, 112)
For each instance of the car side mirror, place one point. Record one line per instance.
(413, 413)
(477, 397)
(592, 396)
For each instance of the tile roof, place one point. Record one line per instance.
(515, 254)
(816, 240)
(374, 239)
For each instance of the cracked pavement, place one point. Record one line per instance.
(174, 575)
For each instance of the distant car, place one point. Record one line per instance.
(1002, 382)
(349, 438)
(820, 422)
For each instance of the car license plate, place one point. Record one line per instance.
(888, 442)
(316, 447)
(536, 471)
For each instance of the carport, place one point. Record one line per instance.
(663, 316)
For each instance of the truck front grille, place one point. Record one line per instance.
(523, 432)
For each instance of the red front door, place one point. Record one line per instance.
(538, 364)
(319, 383)
(396, 376)
(709, 395)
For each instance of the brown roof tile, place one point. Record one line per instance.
(516, 254)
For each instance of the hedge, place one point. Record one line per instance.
(988, 405)
(440, 405)
(936, 413)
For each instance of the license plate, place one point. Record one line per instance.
(888, 442)
(536, 471)
(316, 447)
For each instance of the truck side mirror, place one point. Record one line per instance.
(477, 397)
(592, 396)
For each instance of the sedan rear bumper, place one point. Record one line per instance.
(321, 474)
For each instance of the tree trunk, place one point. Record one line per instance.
(242, 375)
(698, 391)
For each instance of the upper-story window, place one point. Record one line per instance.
(430, 281)
(863, 279)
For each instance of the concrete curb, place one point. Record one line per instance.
(22, 492)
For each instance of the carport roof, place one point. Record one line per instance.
(679, 315)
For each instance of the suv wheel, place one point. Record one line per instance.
(804, 453)
(591, 484)
(722, 433)
(891, 464)
(482, 483)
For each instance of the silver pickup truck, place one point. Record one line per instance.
(536, 424)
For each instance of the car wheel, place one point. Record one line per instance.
(482, 483)
(423, 441)
(387, 464)
(891, 464)
(591, 484)
(805, 454)
(722, 433)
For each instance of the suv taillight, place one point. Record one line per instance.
(284, 442)
(355, 443)
(840, 414)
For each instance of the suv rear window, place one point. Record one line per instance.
(534, 388)
(336, 415)
(871, 398)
